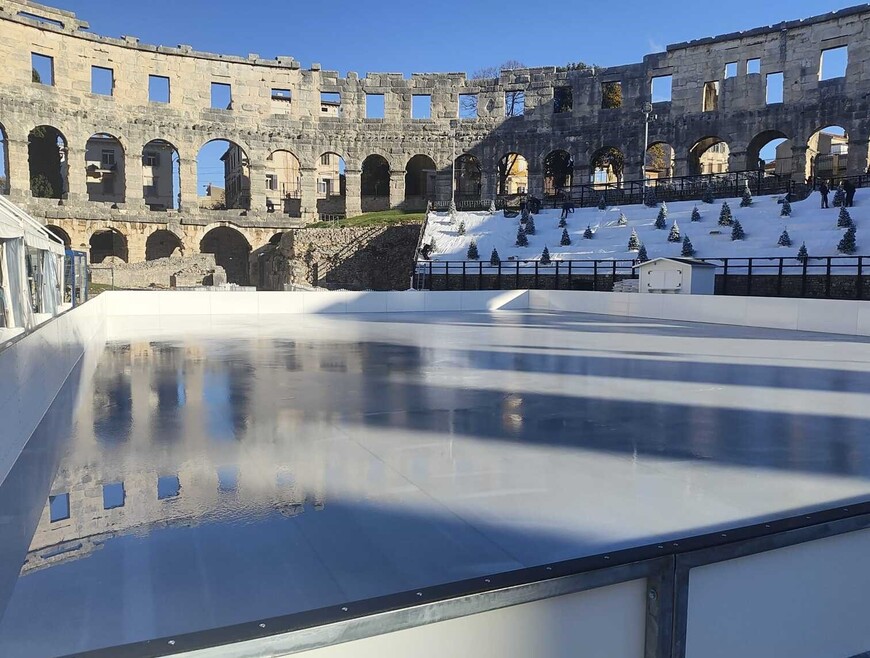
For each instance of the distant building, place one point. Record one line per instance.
(104, 163)
(215, 198)
(330, 178)
(237, 177)
(827, 155)
(157, 183)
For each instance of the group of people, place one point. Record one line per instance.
(848, 188)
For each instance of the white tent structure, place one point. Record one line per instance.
(31, 270)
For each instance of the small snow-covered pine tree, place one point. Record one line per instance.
(746, 200)
(633, 241)
(602, 203)
(642, 256)
(660, 219)
(452, 210)
(545, 256)
(708, 193)
(785, 211)
(494, 258)
(847, 244)
(472, 253)
(696, 215)
(664, 208)
(566, 239)
(784, 239)
(737, 232)
(588, 234)
(725, 217)
(522, 240)
(461, 229)
(688, 249)
(649, 197)
(622, 221)
(492, 208)
(839, 196)
(802, 255)
(530, 225)
(674, 235)
(563, 222)
(844, 219)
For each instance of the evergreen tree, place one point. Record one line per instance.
(622, 221)
(786, 208)
(566, 239)
(588, 234)
(688, 249)
(649, 197)
(494, 258)
(674, 235)
(737, 232)
(844, 220)
(784, 239)
(545, 256)
(472, 253)
(563, 222)
(708, 193)
(696, 216)
(522, 240)
(803, 256)
(664, 209)
(633, 241)
(839, 196)
(492, 208)
(660, 219)
(642, 255)
(847, 244)
(746, 201)
(461, 229)
(602, 203)
(452, 210)
(530, 225)
(725, 217)
(525, 214)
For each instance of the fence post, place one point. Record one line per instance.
(570, 284)
(779, 278)
(749, 278)
(859, 284)
(480, 275)
(463, 275)
(517, 279)
(804, 278)
(536, 275)
(557, 275)
(725, 277)
(828, 277)
(447, 275)
(499, 276)
(594, 275)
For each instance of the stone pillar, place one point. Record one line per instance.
(858, 158)
(189, 192)
(308, 187)
(353, 192)
(19, 170)
(443, 185)
(681, 166)
(257, 173)
(633, 170)
(737, 162)
(134, 197)
(799, 169)
(137, 237)
(77, 180)
(536, 180)
(488, 184)
(397, 189)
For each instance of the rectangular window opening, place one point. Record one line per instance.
(611, 95)
(731, 70)
(661, 88)
(563, 100)
(753, 66)
(221, 96)
(113, 495)
(158, 89)
(168, 486)
(374, 106)
(421, 106)
(468, 106)
(282, 95)
(151, 159)
(102, 81)
(330, 103)
(43, 69)
(710, 101)
(775, 84)
(833, 62)
(514, 103)
(58, 507)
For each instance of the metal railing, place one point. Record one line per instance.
(840, 277)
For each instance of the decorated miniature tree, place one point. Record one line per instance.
(472, 253)
(664, 208)
(737, 232)
(452, 210)
(847, 244)
(660, 219)
(785, 211)
(494, 258)
(708, 193)
(784, 239)
(530, 225)
(839, 196)
(844, 219)
(746, 201)
(696, 215)
(522, 240)
(602, 203)
(563, 222)
(461, 229)
(674, 235)
(545, 256)
(802, 255)
(688, 249)
(588, 234)
(492, 208)
(566, 239)
(642, 255)
(649, 197)
(725, 217)
(623, 220)
(633, 241)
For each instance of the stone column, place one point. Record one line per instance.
(353, 192)
(397, 189)
(799, 163)
(737, 162)
(681, 166)
(134, 197)
(488, 184)
(536, 179)
(257, 182)
(858, 158)
(443, 185)
(308, 188)
(189, 192)
(19, 170)
(632, 169)
(77, 181)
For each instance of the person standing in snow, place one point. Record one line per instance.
(849, 188)
(823, 190)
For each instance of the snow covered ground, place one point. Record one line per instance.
(761, 222)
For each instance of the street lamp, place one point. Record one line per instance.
(454, 124)
(647, 115)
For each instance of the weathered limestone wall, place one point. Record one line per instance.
(176, 271)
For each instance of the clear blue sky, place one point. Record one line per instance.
(447, 35)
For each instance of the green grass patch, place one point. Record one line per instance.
(383, 218)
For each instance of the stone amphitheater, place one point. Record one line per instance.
(714, 96)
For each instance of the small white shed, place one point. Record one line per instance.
(677, 276)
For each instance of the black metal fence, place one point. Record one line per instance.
(831, 277)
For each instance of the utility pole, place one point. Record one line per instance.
(647, 112)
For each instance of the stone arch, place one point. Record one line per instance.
(283, 183)
(660, 161)
(420, 181)
(59, 233)
(607, 165)
(162, 243)
(828, 153)
(231, 250)
(4, 161)
(468, 176)
(513, 175)
(223, 161)
(558, 171)
(331, 184)
(105, 168)
(770, 151)
(106, 243)
(375, 184)
(48, 162)
(161, 175)
(709, 155)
